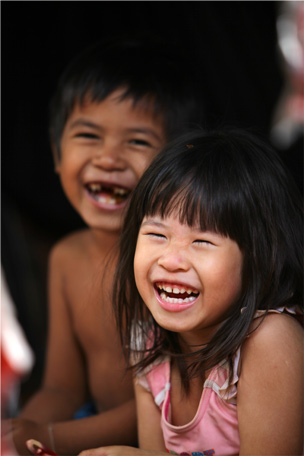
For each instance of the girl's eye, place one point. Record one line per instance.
(156, 235)
(87, 136)
(139, 142)
(202, 242)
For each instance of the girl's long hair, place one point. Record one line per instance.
(234, 184)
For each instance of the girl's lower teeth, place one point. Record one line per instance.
(176, 300)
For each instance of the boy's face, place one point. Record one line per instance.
(105, 148)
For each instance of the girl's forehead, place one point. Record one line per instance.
(165, 220)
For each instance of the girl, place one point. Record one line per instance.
(209, 312)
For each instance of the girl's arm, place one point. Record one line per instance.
(150, 436)
(270, 389)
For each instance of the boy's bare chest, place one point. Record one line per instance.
(88, 297)
(89, 302)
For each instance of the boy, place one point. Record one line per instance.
(116, 106)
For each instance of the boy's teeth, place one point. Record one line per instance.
(108, 195)
(119, 191)
(95, 187)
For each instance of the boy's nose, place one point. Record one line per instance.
(108, 158)
(174, 259)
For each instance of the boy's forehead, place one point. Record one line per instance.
(142, 110)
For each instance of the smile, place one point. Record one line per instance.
(106, 194)
(181, 296)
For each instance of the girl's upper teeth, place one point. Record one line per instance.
(176, 290)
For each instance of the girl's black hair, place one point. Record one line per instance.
(234, 184)
(146, 67)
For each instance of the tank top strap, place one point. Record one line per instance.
(158, 379)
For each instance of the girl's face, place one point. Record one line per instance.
(188, 279)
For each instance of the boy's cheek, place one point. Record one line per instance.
(145, 163)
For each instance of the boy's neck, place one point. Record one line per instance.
(103, 241)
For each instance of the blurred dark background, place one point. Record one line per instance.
(242, 81)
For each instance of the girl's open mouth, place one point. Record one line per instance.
(106, 194)
(175, 294)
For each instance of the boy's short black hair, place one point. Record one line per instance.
(146, 67)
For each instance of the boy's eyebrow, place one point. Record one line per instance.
(147, 131)
(87, 123)
(84, 123)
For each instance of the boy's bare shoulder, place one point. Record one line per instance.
(72, 241)
(81, 251)
(73, 244)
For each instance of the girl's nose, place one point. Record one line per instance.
(174, 259)
(109, 158)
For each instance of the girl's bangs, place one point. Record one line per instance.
(194, 204)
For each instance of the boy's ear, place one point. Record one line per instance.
(56, 157)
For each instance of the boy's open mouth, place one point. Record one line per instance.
(106, 194)
(176, 293)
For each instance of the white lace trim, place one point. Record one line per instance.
(227, 391)
(160, 397)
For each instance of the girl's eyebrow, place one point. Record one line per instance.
(195, 229)
(153, 222)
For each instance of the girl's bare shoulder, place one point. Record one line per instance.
(277, 337)
(270, 387)
(275, 327)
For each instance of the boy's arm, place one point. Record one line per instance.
(64, 388)
(150, 436)
(270, 389)
(71, 437)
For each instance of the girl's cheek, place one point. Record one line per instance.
(138, 267)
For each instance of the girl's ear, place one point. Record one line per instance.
(56, 157)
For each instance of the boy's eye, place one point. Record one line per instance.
(87, 136)
(139, 142)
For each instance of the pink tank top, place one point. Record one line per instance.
(214, 429)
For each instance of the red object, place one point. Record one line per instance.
(38, 448)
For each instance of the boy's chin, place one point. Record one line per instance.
(107, 224)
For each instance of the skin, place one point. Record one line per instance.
(270, 387)
(111, 142)
(179, 256)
